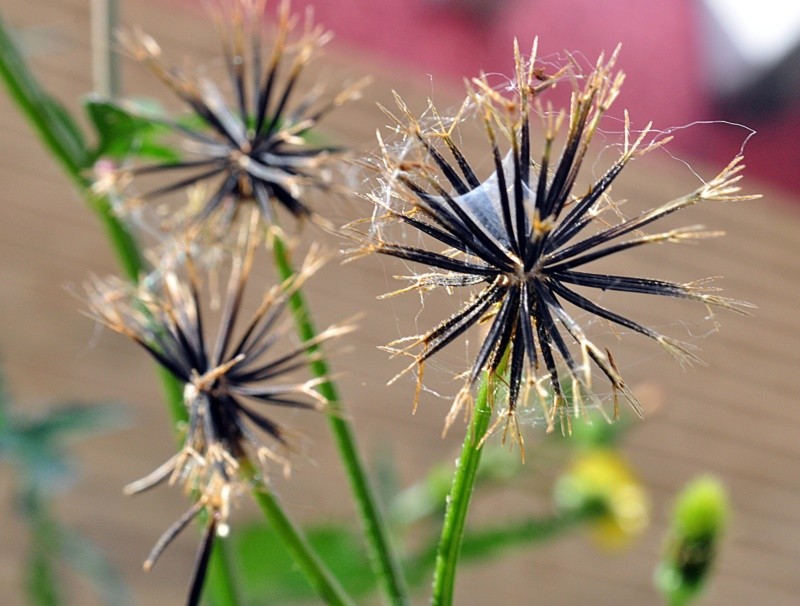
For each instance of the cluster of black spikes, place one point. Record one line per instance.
(521, 233)
(254, 149)
(225, 381)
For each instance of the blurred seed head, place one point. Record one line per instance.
(230, 377)
(256, 144)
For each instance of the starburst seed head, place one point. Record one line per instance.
(521, 236)
(228, 381)
(254, 147)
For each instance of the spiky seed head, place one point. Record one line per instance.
(520, 238)
(252, 146)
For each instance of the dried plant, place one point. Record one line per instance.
(520, 242)
(255, 147)
(522, 236)
(222, 379)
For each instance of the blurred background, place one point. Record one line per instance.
(711, 72)
(687, 61)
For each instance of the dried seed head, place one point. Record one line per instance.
(253, 147)
(520, 239)
(228, 381)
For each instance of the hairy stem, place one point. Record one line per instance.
(382, 553)
(459, 499)
(487, 543)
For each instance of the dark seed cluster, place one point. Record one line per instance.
(229, 381)
(522, 237)
(254, 148)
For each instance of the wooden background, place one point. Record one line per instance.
(737, 418)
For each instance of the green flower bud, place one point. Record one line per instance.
(698, 522)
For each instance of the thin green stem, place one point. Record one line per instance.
(42, 583)
(318, 575)
(383, 556)
(220, 588)
(459, 499)
(54, 126)
(63, 140)
(489, 542)
(486, 543)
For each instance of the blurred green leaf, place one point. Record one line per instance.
(51, 121)
(423, 499)
(43, 465)
(86, 558)
(70, 420)
(387, 478)
(41, 577)
(123, 133)
(52, 544)
(268, 574)
(427, 498)
(594, 431)
(35, 445)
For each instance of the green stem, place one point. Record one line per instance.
(382, 553)
(459, 499)
(42, 582)
(486, 543)
(220, 588)
(62, 139)
(54, 126)
(489, 542)
(321, 579)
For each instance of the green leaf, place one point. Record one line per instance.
(36, 445)
(52, 122)
(88, 560)
(41, 578)
(74, 419)
(45, 467)
(122, 133)
(53, 543)
(269, 575)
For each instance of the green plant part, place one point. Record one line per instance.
(698, 524)
(35, 449)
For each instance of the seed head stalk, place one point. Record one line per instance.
(383, 555)
(61, 138)
(458, 500)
